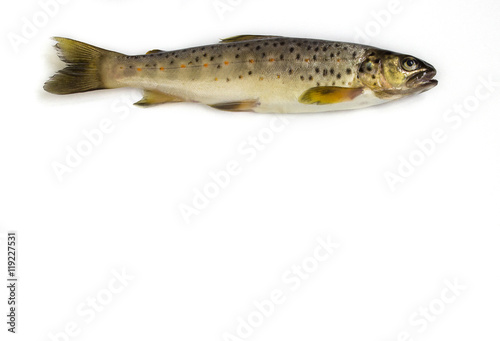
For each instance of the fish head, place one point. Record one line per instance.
(392, 75)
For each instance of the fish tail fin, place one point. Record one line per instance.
(83, 71)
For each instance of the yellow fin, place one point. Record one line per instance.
(248, 105)
(329, 95)
(245, 37)
(152, 97)
(155, 51)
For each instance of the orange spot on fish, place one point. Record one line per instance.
(216, 79)
(261, 78)
(307, 60)
(139, 69)
(278, 76)
(338, 60)
(162, 68)
(205, 65)
(226, 62)
(251, 61)
(271, 60)
(121, 67)
(183, 66)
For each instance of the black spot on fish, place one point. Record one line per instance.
(309, 47)
(298, 56)
(203, 49)
(258, 47)
(227, 79)
(371, 54)
(369, 68)
(377, 61)
(237, 56)
(299, 44)
(317, 84)
(373, 77)
(332, 71)
(349, 71)
(337, 45)
(317, 70)
(302, 78)
(246, 45)
(345, 48)
(171, 62)
(290, 71)
(147, 65)
(325, 49)
(218, 66)
(311, 78)
(275, 44)
(204, 55)
(338, 53)
(332, 55)
(325, 72)
(282, 57)
(263, 55)
(282, 43)
(354, 54)
(266, 43)
(212, 58)
(292, 49)
(249, 73)
(333, 83)
(339, 75)
(197, 59)
(316, 49)
(315, 57)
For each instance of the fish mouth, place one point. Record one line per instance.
(423, 80)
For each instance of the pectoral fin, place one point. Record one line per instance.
(248, 105)
(322, 95)
(245, 37)
(152, 97)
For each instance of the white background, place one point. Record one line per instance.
(321, 177)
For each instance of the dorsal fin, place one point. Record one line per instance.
(155, 51)
(246, 37)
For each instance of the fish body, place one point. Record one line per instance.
(250, 73)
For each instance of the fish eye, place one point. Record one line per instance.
(409, 64)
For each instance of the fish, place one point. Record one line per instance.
(265, 74)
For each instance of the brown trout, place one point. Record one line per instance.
(249, 73)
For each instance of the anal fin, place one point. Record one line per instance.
(322, 95)
(237, 106)
(153, 97)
